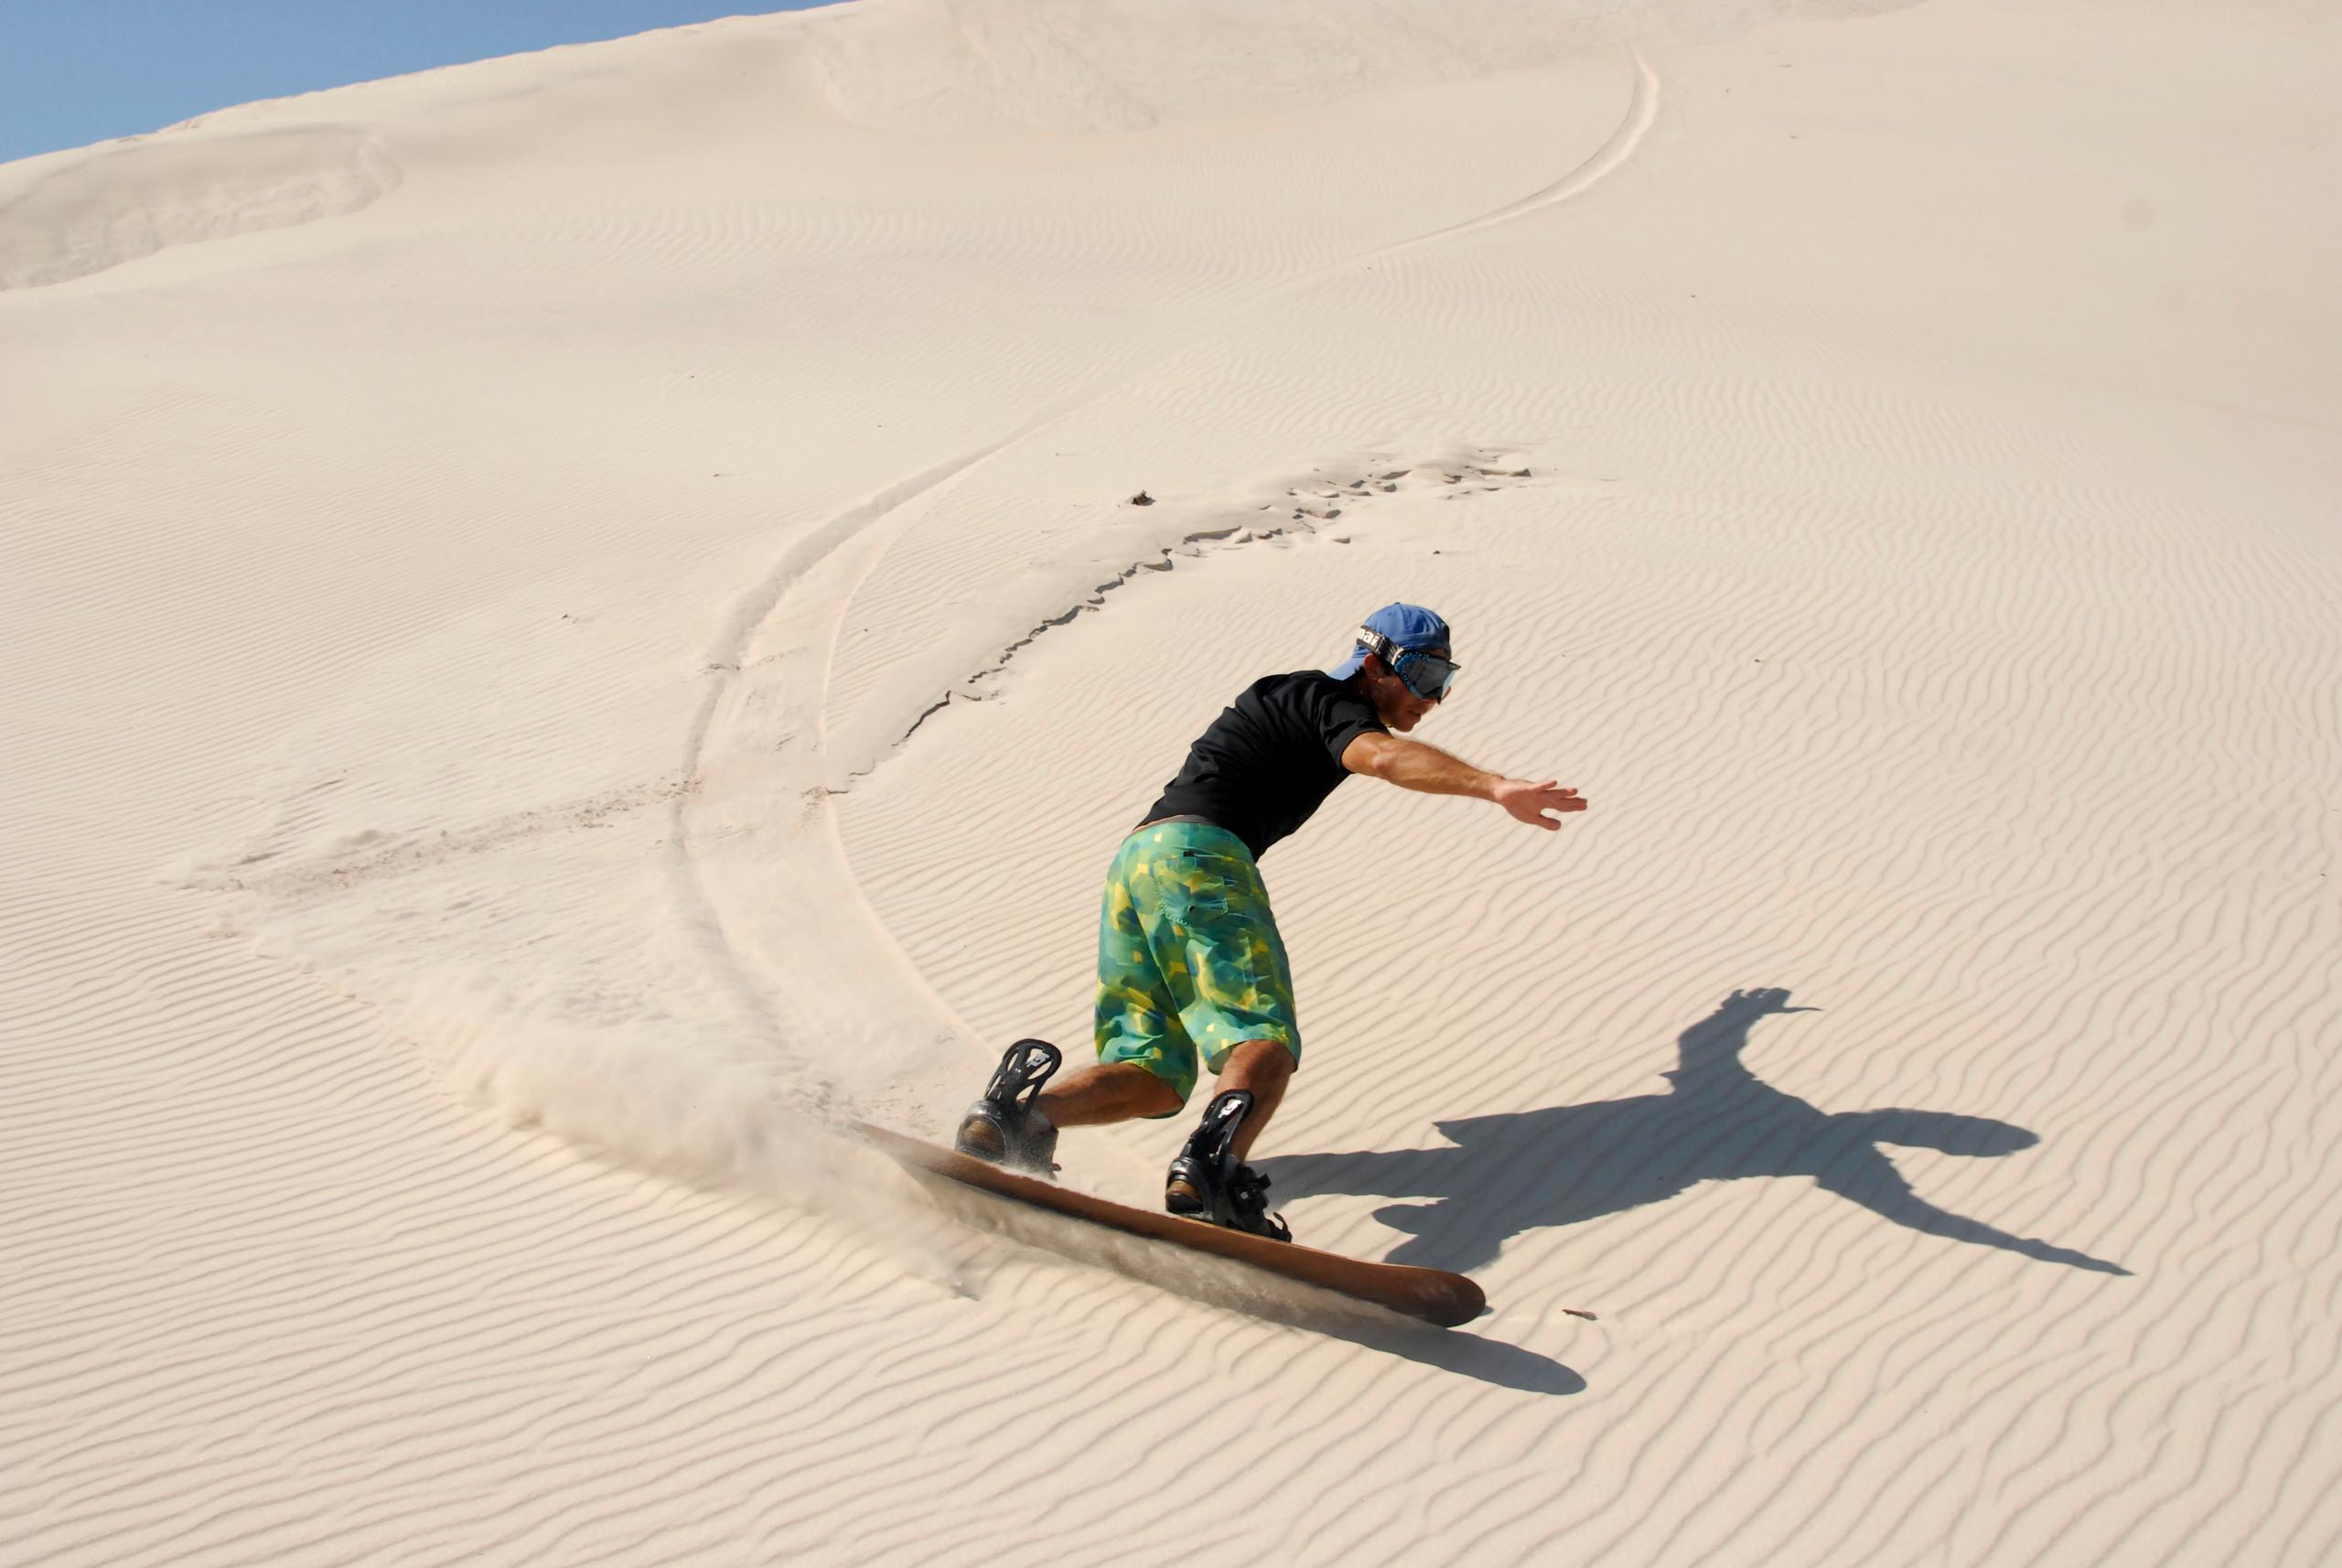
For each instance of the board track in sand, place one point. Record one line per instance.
(576, 622)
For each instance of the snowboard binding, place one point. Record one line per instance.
(1207, 1182)
(1006, 1127)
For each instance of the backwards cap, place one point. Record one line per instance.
(1407, 625)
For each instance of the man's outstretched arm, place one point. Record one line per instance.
(1412, 764)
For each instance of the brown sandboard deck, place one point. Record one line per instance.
(1433, 1294)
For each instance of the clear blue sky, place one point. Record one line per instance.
(76, 71)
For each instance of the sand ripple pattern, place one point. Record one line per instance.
(1839, 1104)
(1994, 975)
(528, 701)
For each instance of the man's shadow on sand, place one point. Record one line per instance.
(1566, 1163)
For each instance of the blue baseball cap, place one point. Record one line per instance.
(1407, 625)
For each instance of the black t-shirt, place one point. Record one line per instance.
(1270, 758)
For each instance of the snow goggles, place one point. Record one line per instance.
(1427, 675)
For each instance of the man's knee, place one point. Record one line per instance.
(1259, 1061)
(1162, 1097)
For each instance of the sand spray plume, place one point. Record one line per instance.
(683, 1099)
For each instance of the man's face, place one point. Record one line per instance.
(1399, 709)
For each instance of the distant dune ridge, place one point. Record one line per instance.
(131, 201)
(576, 622)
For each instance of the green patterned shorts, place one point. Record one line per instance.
(1188, 956)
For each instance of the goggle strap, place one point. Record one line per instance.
(1392, 657)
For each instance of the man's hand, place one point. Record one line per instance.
(1412, 764)
(1530, 802)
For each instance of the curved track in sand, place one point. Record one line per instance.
(853, 547)
(1924, 1057)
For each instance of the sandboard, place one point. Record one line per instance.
(1433, 1294)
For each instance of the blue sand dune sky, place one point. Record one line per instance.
(76, 71)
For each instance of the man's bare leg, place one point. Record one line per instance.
(1111, 1092)
(1262, 1067)
(1117, 1092)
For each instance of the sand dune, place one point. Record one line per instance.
(127, 201)
(576, 622)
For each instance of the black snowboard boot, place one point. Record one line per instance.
(1005, 1127)
(1207, 1183)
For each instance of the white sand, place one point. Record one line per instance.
(571, 619)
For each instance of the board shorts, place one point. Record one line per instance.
(1189, 961)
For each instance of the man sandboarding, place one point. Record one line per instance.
(1189, 962)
